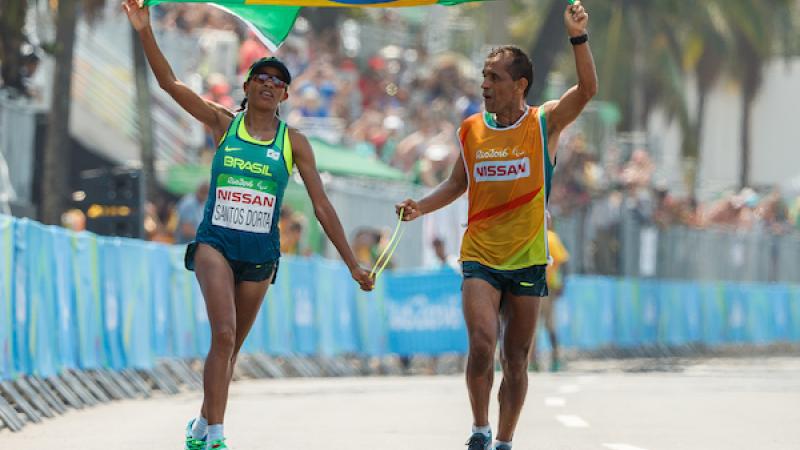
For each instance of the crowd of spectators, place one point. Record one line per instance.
(615, 185)
(398, 105)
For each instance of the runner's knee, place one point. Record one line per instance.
(481, 355)
(481, 344)
(223, 338)
(515, 360)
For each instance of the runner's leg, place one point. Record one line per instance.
(518, 322)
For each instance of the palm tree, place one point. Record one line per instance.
(703, 49)
(645, 52)
(547, 44)
(757, 26)
(55, 166)
(12, 20)
(144, 118)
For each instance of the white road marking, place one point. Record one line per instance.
(554, 401)
(622, 447)
(569, 389)
(572, 421)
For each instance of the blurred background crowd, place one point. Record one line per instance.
(387, 86)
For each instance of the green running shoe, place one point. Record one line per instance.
(218, 444)
(479, 441)
(191, 442)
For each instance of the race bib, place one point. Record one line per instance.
(244, 203)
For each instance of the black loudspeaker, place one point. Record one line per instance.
(113, 201)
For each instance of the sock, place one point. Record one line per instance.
(200, 427)
(485, 430)
(507, 444)
(215, 432)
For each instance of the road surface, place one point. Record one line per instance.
(726, 404)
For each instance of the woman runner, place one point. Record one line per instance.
(236, 250)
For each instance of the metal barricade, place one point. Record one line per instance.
(635, 248)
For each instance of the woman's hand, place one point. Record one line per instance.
(138, 14)
(363, 278)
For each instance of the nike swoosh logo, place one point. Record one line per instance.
(232, 149)
(525, 284)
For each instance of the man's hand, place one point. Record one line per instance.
(409, 208)
(576, 19)
(362, 277)
(138, 14)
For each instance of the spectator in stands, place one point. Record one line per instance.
(368, 133)
(693, 213)
(372, 84)
(772, 215)
(30, 64)
(74, 219)
(310, 105)
(190, 213)
(435, 164)
(794, 213)
(431, 130)
(291, 225)
(251, 50)
(445, 261)
(734, 211)
(366, 244)
(154, 228)
(219, 91)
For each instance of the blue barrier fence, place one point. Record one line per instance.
(80, 301)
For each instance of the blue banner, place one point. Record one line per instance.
(87, 286)
(43, 329)
(424, 313)
(21, 351)
(61, 265)
(184, 337)
(300, 273)
(737, 311)
(135, 304)
(370, 311)
(111, 263)
(713, 312)
(159, 264)
(650, 294)
(74, 300)
(794, 314)
(6, 296)
(335, 309)
(278, 325)
(592, 313)
(678, 314)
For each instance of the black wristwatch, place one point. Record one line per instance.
(578, 40)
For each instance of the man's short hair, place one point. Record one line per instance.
(520, 65)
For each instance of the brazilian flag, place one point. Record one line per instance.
(272, 20)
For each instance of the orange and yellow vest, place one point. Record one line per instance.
(558, 256)
(509, 173)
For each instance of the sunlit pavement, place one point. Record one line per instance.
(730, 404)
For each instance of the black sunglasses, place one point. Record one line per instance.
(264, 77)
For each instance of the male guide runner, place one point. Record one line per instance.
(507, 159)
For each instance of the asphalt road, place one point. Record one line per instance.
(730, 404)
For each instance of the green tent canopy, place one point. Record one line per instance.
(339, 160)
(334, 159)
